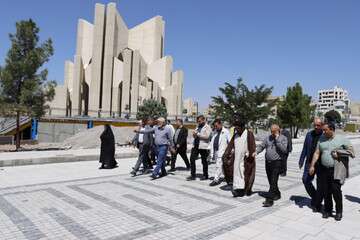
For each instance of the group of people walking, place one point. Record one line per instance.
(234, 152)
(326, 156)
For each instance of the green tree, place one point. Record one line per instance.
(151, 108)
(333, 116)
(295, 110)
(250, 105)
(25, 88)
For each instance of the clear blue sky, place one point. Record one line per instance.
(275, 42)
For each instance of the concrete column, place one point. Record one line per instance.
(147, 38)
(177, 80)
(109, 52)
(117, 79)
(97, 60)
(127, 56)
(160, 71)
(135, 81)
(76, 86)
(68, 80)
(84, 41)
(68, 74)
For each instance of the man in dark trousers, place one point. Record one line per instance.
(275, 146)
(285, 157)
(163, 141)
(143, 141)
(200, 146)
(310, 143)
(180, 143)
(326, 154)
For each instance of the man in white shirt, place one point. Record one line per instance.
(218, 145)
(200, 146)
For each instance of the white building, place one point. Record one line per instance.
(355, 111)
(333, 99)
(191, 107)
(115, 68)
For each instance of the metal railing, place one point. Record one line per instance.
(9, 124)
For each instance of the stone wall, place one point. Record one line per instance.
(58, 132)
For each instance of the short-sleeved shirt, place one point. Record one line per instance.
(327, 145)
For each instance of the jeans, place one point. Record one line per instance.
(204, 153)
(161, 152)
(273, 169)
(307, 180)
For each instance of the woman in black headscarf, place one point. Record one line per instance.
(107, 153)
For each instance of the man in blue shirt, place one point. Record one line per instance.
(163, 140)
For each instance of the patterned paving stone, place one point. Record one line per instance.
(117, 206)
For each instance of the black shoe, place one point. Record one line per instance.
(277, 197)
(133, 173)
(316, 209)
(102, 167)
(190, 178)
(249, 193)
(268, 203)
(214, 183)
(163, 174)
(153, 177)
(238, 192)
(326, 215)
(235, 193)
(203, 178)
(172, 170)
(338, 216)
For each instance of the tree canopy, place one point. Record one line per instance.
(295, 110)
(24, 84)
(151, 108)
(238, 101)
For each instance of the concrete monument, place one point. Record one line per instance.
(115, 69)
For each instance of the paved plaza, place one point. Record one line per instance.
(78, 201)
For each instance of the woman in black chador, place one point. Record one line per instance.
(107, 153)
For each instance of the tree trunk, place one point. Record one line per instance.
(296, 132)
(17, 130)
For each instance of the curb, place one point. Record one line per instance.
(59, 159)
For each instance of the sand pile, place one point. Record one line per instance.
(90, 138)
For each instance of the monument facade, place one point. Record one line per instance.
(116, 68)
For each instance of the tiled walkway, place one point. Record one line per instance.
(77, 201)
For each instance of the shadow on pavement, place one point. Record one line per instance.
(301, 201)
(226, 187)
(181, 169)
(352, 199)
